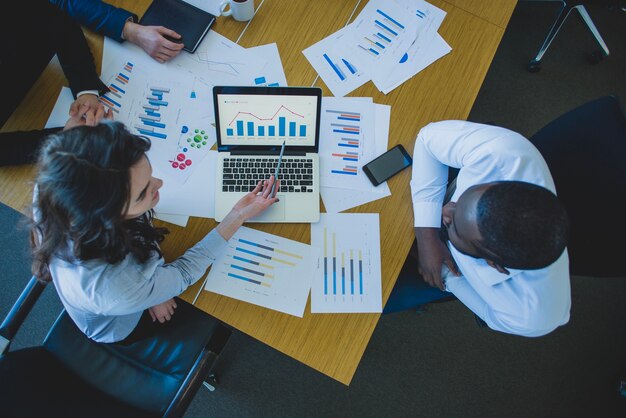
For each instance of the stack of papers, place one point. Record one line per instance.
(172, 104)
(353, 131)
(389, 42)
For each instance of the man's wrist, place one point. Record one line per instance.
(128, 29)
(82, 93)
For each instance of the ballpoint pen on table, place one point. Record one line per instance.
(280, 159)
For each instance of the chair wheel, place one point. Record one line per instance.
(594, 57)
(211, 381)
(534, 66)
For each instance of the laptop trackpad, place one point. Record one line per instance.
(276, 212)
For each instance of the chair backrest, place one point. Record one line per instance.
(586, 152)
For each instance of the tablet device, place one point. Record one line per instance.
(187, 20)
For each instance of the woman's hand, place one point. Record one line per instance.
(249, 206)
(163, 311)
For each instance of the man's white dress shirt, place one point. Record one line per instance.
(526, 302)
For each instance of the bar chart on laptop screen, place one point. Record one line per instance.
(267, 120)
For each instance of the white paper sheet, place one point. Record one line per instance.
(347, 141)
(272, 74)
(348, 277)
(266, 270)
(338, 200)
(194, 198)
(380, 36)
(180, 220)
(330, 59)
(437, 48)
(60, 111)
(211, 6)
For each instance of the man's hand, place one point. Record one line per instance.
(433, 253)
(163, 311)
(85, 116)
(153, 40)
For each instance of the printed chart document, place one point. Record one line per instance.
(266, 270)
(353, 132)
(348, 276)
(388, 42)
(194, 198)
(332, 63)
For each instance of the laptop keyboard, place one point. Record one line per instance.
(243, 174)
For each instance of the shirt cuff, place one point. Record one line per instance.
(94, 92)
(427, 215)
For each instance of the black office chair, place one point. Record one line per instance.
(564, 11)
(586, 152)
(70, 375)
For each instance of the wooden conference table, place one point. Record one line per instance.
(330, 343)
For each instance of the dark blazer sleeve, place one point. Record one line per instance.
(21, 147)
(97, 15)
(74, 53)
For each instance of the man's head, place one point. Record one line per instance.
(508, 223)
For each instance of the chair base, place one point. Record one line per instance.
(594, 57)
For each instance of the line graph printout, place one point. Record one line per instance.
(267, 119)
(219, 61)
(348, 276)
(265, 270)
(347, 130)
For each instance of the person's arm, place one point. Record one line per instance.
(98, 16)
(74, 54)
(506, 322)
(121, 25)
(169, 280)
(20, 147)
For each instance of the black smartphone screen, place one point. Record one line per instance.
(387, 164)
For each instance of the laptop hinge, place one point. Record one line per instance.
(273, 153)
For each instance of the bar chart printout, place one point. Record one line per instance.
(117, 88)
(347, 141)
(348, 277)
(265, 270)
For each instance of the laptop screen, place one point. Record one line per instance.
(263, 117)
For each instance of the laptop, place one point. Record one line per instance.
(251, 125)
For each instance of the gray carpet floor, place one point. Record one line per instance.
(439, 363)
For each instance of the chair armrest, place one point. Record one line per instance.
(19, 312)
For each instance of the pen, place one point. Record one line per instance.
(280, 160)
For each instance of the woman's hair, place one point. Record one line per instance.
(82, 194)
(523, 224)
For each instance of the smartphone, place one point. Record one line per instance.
(386, 165)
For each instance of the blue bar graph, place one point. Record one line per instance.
(271, 131)
(250, 128)
(398, 24)
(281, 126)
(302, 130)
(292, 129)
(339, 73)
(261, 130)
(240, 128)
(229, 131)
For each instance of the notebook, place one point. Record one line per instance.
(187, 20)
(251, 124)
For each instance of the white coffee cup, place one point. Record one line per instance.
(241, 10)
